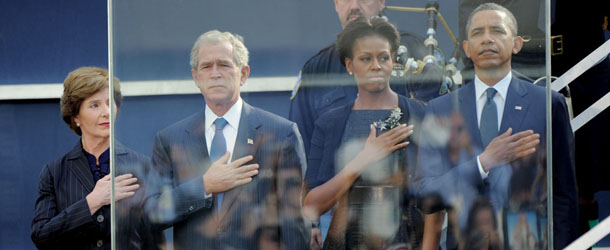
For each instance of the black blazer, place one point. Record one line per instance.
(326, 139)
(62, 219)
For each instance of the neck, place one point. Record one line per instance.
(491, 76)
(386, 99)
(221, 109)
(95, 145)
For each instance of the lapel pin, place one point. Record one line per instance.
(518, 107)
(250, 141)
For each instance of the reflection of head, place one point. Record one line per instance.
(240, 52)
(363, 28)
(481, 231)
(482, 215)
(521, 185)
(348, 10)
(80, 84)
(512, 24)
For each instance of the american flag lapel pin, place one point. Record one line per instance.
(250, 141)
(518, 107)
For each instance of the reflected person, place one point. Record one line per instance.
(502, 118)
(230, 170)
(72, 210)
(349, 161)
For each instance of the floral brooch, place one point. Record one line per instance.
(391, 122)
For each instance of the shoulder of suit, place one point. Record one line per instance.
(329, 117)
(268, 117)
(180, 125)
(414, 107)
(323, 56)
(311, 65)
(123, 152)
(72, 154)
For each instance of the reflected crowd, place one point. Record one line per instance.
(366, 159)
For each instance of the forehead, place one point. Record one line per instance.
(101, 95)
(210, 52)
(371, 43)
(365, 5)
(488, 18)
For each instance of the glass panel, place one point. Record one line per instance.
(365, 186)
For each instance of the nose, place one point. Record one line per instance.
(215, 72)
(354, 5)
(487, 37)
(106, 110)
(375, 64)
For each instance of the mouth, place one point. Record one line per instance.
(488, 51)
(376, 78)
(216, 86)
(105, 124)
(353, 15)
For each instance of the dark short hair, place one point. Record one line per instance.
(81, 84)
(512, 25)
(361, 27)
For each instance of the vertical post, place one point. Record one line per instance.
(549, 124)
(112, 107)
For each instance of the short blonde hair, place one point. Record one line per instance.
(80, 84)
(240, 52)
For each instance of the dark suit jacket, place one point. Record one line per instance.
(267, 210)
(323, 156)
(62, 219)
(326, 139)
(450, 169)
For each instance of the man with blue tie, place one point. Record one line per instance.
(494, 127)
(232, 173)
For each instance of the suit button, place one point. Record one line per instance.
(100, 218)
(100, 243)
(191, 208)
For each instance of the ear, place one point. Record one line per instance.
(517, 44)
(245, 73)
(194, 73)
(336, 8)
(466, 46)
(382, 4)
(76, 119)
(348, 64)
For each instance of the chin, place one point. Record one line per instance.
(373, 87)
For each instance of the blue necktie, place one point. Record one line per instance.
(218, 148)
(489, 118)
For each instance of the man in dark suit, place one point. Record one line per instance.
(232, 172)
(493, 127)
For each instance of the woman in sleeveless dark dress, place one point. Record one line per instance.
(362, 158)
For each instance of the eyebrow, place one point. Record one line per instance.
(96, 100)
(495, 27)
(214, 61)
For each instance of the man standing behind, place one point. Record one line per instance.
(232, 173)
(502, 118)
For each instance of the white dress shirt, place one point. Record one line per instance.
(500, 99)
(229, 131)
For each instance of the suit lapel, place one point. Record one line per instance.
(195, 145)
(247, 142)
(467, 98)
(515, 106)
(80, 167)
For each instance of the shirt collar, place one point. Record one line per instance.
(232, 116)
(501, 86)
(101, 170)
